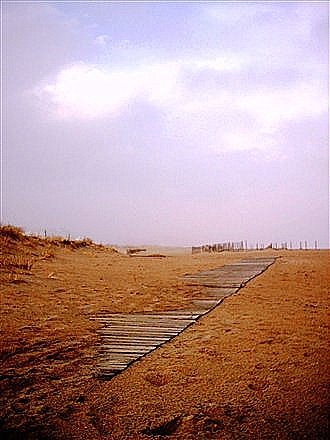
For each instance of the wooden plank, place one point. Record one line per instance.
(158, 332)
(134, 352)
(133, 326)
(112, 365)
(141, 325)
(236, 285)
(146, 317)
(145, 328)
(113, 345)
(143, 342)
(108, 363)
(110, 354)
(142, 333)
(124, 356)
(164, 338)
(175, 314)
(161, 319)
(136, 325)
(135, 329)
(193, 316)
(107, 333)
(118, 357)
(109, 373)
(169, 314)
(223, 290)
(204, 302)
(134, 339)
(200, 312)
(127, 348)
(243, 264)
(166, 318)
(112, 348)
(150, 322)
(106, 355)
(211, 293)
(149, 342)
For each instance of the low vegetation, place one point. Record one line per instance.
(9, 232)
(16, 262)
(19, 251)
(75, 244)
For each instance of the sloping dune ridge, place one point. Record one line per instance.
(255, 367)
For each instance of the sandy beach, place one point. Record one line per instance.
(254, 367)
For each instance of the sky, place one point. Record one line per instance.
(167, 123)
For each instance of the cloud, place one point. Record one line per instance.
(89, 91)
(102, 40)
(86, 91)
(274, 107)
(224, 63)
(207, 96)
(196, 95)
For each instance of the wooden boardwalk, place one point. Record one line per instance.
(125, 338)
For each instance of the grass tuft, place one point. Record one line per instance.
(16, 262)
(12, 232)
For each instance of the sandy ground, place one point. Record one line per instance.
(256, 367)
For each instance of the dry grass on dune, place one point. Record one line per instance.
(19, 252)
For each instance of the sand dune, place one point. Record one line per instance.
(255, 367)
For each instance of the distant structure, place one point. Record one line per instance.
(243, 246)
(220, 247)
(134, 251)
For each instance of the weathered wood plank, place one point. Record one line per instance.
(134, 326)
(205, 303)
(147, 318)
(133, 339)
(129, 336)
(108, 364)
(149, 322)
(215, 284)
(141, 333)
(161, 315)
(162, 332)
(118, 358)
(128, 348)
(132, 351)
(143, 342)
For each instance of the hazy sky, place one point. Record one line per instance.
(167, 123)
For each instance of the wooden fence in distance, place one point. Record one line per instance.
(219, 247)
(243, 245)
